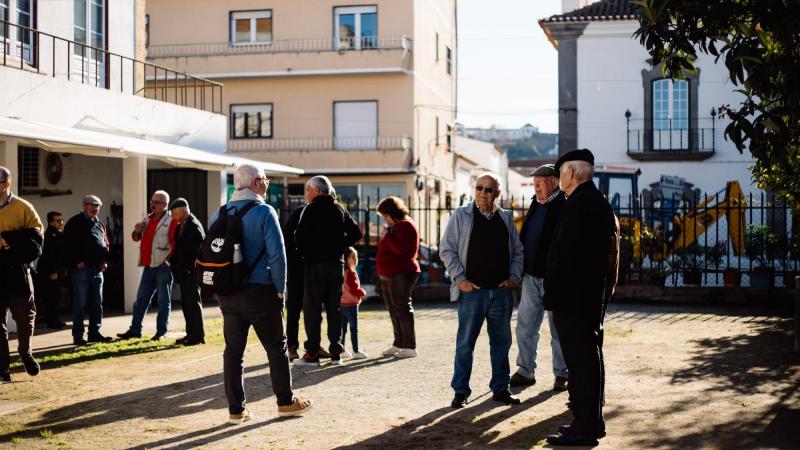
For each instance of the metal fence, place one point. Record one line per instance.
(673, 242)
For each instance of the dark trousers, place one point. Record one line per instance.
(294, 304)
(323, 287)
(397, 295)
(23, 310)
(581, 344)
(48, 296)
(192, 307)
(258, 306)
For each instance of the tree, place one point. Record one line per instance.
(759, 42)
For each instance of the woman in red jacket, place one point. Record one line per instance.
(399, 270)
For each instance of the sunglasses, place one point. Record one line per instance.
(486, 189)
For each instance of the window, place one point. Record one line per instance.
(3, 16)
(251, 27)
(449, 54)
(436, 43)
(28, 167)
(251, 121)
(20, 42)
(89, 26)
(670, 104)
(356, 27)
(355, 125)
(437, 131)
(147, 31)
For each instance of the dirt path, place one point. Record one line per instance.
(678, 377)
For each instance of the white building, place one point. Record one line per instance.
(612, 101)
(78, 116)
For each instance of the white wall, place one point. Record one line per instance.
(609, 69)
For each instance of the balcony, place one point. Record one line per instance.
(33, 51)
(320, 144)
(670, 140)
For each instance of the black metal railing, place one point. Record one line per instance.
(670, 135)
(47, 54)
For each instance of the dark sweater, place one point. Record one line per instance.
(325, 230)
(189, 237)
(536, 250)
(86, 241)
(52, 259)
(487, 255)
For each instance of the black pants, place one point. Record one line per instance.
(294, 304)
(257, 306)
(323, 286)
(581, 345)
(192, 306)
(48, 296)
(397, 295)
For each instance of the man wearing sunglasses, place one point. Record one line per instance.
(484, 257)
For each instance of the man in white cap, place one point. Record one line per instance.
(87, 258)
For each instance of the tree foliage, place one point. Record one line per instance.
(759, 43)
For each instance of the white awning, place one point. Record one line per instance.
(93, 143)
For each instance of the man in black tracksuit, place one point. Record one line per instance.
(323, 233)
(575, 289)
(189, 237)
(51, 273)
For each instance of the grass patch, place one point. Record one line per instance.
(48, 435)
(17, 440)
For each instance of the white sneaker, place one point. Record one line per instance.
(391, 351)
(242, 417)
(336, 361)
(360, 355)
(406, 353)
(345, 354)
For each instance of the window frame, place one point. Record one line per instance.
(377, 123)
(449, 56)
(233, 121)
(253, 15)
(356, 10)
(649, 76)
(15, 37)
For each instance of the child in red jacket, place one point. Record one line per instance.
(352, 294)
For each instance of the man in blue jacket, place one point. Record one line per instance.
(260, 303)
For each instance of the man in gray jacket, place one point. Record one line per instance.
(484, 257)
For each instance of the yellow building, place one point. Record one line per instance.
(364, 94)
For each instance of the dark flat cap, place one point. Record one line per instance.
(92, 200)
(545, 170)
(582, 154)
(179, 202)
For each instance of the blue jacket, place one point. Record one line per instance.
(261, 231)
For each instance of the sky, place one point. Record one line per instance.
(508, 70)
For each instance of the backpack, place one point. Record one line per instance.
(220, 265)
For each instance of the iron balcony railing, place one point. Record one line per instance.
(326, 143)
(32, 50)
(281, 46)
(670, 135)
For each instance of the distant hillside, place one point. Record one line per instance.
(538, 145)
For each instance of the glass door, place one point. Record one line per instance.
(17, 42)
(88, 61)
(356, 27)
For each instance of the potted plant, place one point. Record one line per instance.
(731, 277)
(689, 260)
(655, 276)
(760, 245)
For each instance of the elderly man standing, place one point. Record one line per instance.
(87, 257)
(20, 244)
(323, 233)
(576, 286)
(260, 303)
(483, 255)
(189, 237)
(536, 234)
(157, 236)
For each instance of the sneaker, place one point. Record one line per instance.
(31, 366)
(307, 360)
(506, 397)
(244, 416)
(292, 352)
(346, 354)
(459, 401)
(519, 379)
(360, 355)
(391, 351)
(79, 341)
(560, 384)
(297, 407)
(336, 360)
(323, 353)
(158, 336)
(193, 341)
(129, 335)
(406, 353)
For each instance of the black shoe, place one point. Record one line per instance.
(518, 380)
(323, 353)
(459, 401)
(157, 337)
(180, 341)
(560, 385)
(100, 338)
(5, 378)
(56, 325)
(566, 429)
(506, 398)
(79, 341)
(571, 439)
(190, 342)
(31, 366)
(129, 335)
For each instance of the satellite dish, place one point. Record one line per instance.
(53, 168)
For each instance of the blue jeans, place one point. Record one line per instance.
(495, 306)
(87, 290)
(350, 316)
(530, 316)
(155, 280)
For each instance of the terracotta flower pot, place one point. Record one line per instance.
(732, 278)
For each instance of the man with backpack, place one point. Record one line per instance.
(254, 296)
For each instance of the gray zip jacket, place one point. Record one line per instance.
(455, 245)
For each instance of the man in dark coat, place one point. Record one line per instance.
(51, 272)
(325, 230)
(294, 284)
(189, 237)
(575, 289)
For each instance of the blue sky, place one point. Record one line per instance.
(508, 71)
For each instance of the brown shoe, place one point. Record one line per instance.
(518, 380)
(292, 354)
(560, 384)
(323, 353)
(297, 407)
